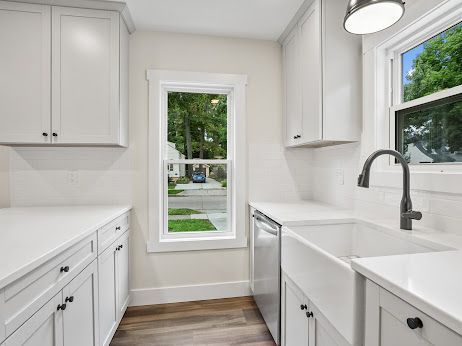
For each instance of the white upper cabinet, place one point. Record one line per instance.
(322, 82)
(85, 70)
(292, 90)
(25, 41)
(83, 63)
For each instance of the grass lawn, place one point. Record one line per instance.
(190, 226)
(182, 211)
(174, 192)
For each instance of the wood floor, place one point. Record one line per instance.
(232, 321)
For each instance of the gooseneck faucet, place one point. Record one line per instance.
(406, 212)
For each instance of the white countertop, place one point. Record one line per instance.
(30, 236)
(432, 282)
(293, 213)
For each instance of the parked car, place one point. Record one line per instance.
(198, 177)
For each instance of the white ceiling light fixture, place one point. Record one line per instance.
(369, 16)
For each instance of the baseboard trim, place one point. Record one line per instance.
(163, 295)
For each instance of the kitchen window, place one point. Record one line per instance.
(427, 97)
(197, 152)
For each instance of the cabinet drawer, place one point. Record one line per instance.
(110, 232)
(22, 298)
(395, 310)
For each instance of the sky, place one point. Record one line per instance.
(408, 58)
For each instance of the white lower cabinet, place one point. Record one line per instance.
(114, 286)
(390, 321)
(69, 318)
(294, 321)
(301, 321)
(77, 298)
(42, 329)
(80, 318)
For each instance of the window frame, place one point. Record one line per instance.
(419, 23)
(161, 82)
(396, 102)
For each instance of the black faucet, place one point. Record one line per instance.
(406, 212)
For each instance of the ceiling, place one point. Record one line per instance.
(262, 19)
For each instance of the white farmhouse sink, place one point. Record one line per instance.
(317, 258)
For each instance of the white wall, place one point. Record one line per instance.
(4, 180)
(70, 176)
(273, 171)
(440, 210)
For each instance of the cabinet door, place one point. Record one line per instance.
(292, 101)
(320, 333)
(311, 72)
(386, 322)
(25, 73)
(85, 93)
(294, 322)
(80, 319)
(107, 294)
(122, 265)
(44, 328)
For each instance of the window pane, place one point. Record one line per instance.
(432, 132)
(197, 126)
(434, 65)
(197, 198)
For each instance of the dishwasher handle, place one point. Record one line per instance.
(259, 222)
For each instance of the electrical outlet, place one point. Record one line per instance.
(73, 177)
(339, 176)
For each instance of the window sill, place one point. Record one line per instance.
(195, 244)
(442, 182)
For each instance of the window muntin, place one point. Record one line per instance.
(196, 151)
(428, 119)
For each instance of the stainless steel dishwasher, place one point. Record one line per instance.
(267, 271)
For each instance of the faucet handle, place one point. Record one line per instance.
(411, 214)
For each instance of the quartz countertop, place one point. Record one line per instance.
(432, 282)
(30, 236)
(300, 212)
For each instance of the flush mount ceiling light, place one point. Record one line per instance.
(368, 16)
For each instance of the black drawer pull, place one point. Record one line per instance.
(61, 307)
(303, 307)
(118, 228)
(64, 269)
(414, 323)
(69, 299)
(309, 314)
(44, 134)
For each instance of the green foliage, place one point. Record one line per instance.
(183, 180)
(438, 67)
(182, 211)
(193, 225)
(196, 126)
(224, 183)
(435, 129)
(174, 192)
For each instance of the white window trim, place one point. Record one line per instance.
(387, 97)
(160, 81)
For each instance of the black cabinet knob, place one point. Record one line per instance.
(303, 307)
(55, 134)
(44, 134)
(64, 269)
(118, 228)
(121, 246)
(414, 323)
(61, 307)
(69, 299)
(309, 314)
